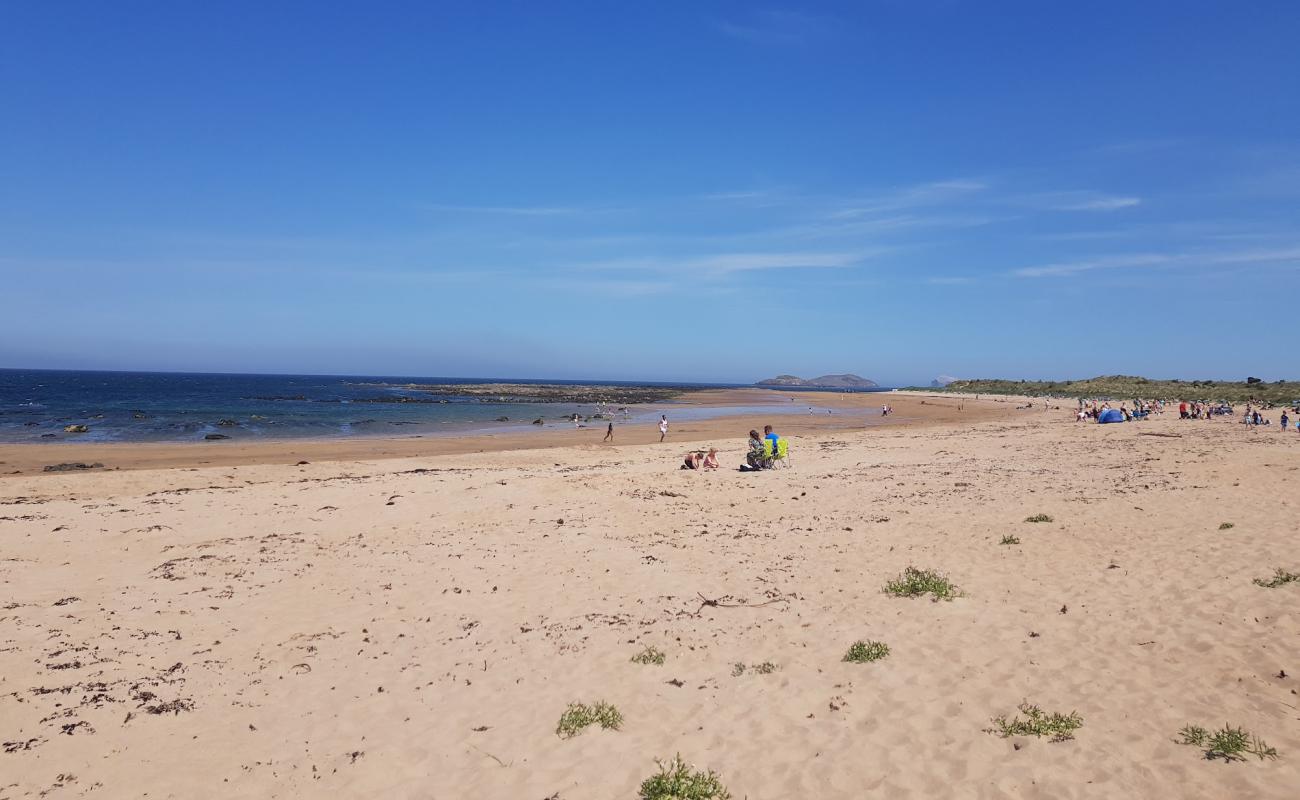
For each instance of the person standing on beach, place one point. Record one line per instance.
(609, 433)
(663, 427)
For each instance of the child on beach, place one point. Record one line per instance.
(663, 427)
(609, 433)
(711, 460)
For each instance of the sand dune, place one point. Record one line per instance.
(415, 627)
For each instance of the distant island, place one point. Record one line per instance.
(845, 381)
(1126, 387)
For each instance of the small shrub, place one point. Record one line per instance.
(1280, 578)
(578, 716)
(1009, 539)
(1224, 526)
(1228, 743)
(1039, 518)
(1038, 723)
(864, 652)
(650, 655)
(916, 582)
(677, 780)
(766, 668)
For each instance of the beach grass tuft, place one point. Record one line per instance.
(578, 716)
(650, 655)
(1037, 722)
(917, 582)
(766, 668)
(861, 652)
(1039, 518)
(678, 780)
(1010, 539)
(1228, 743)
(1225, 526)
(1280, 578)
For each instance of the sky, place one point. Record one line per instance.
(653, 191)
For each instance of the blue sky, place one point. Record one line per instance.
(674, 191)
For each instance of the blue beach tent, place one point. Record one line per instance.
(1111, 415)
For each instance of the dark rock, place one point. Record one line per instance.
(49, 436)
(72, 466)
(538, 421)
(503, 419)
(226, 423)
(212, 437)
(139, 415)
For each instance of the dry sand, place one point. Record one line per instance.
(414, 627)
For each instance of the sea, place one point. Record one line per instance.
(38, 406)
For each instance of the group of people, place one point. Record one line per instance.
(762, 453)
(1254, 417)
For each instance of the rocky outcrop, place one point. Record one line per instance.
(844, 381)
(75, 428)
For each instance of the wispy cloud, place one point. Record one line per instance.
(949, 280)
(1108, 262)
(778, 28)
(721, 265)
(1080, 201)
(1283, 256)
(921, 194)
(519, 211)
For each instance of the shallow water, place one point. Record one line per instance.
(36, 405)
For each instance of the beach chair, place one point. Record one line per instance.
(768, 456)
(782, 453)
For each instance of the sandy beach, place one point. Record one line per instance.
(410, 618)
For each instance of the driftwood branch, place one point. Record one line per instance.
(706, 602)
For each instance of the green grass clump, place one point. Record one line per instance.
(1039, 518)
(1224, 526)
(677, 780)
(865, 652)
(650, 655)
(1010, 539)
(916, 582)
(578, 716)
(1037, 722)
(1228, 743)
(1280, 578)
(766, 668)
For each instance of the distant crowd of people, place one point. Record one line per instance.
(1253, 416)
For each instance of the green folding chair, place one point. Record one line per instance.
(783, 452)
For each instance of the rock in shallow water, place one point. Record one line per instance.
(212, 437)
(75, 428)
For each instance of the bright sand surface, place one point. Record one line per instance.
(414, 626)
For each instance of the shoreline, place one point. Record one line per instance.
(911, 409)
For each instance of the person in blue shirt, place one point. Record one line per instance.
(771, 436)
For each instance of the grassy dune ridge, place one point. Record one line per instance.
(1128, 386)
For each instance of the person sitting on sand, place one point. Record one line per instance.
(693, 460)
(755, 458)
(711, 459)
(770, 435)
